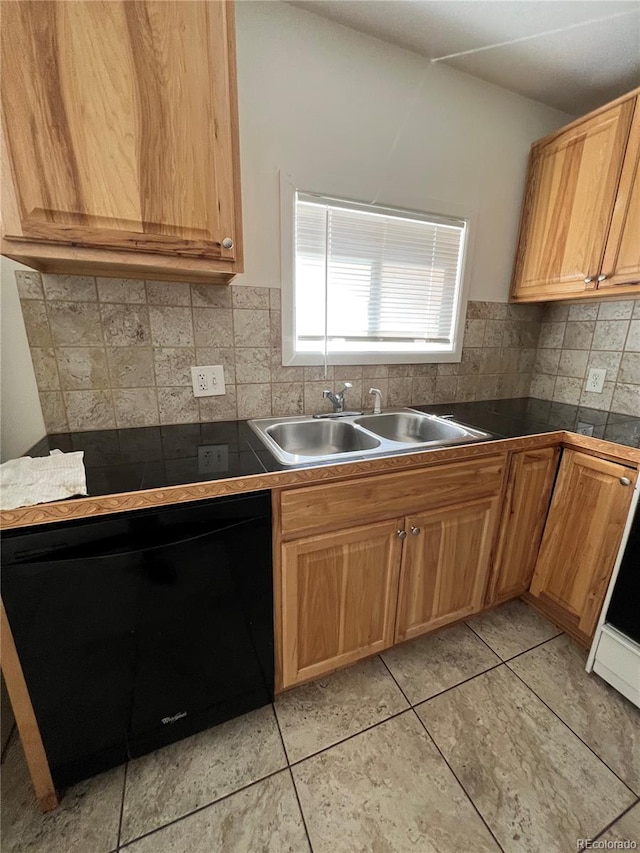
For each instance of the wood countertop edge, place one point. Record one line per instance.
(88, 507)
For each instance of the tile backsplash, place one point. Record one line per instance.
(117, 352)
(574, 339)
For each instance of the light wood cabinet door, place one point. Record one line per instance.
(529, 486)
(445, 563)
(339, 594)
(621, 263)
(120, 129)
(581, 539)
(569, 199)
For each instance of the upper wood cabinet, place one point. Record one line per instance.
(581, 538)
(120, 144)
(445, 563)
(580, 217)
(529, 486)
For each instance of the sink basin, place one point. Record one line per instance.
(307, 440)
(320, 438)
(413, 428)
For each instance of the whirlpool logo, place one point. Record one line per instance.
(175, 717)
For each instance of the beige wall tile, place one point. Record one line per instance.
(211, 296)
(598, 401)
(314, 402)
(616, 310)
(89, 410)
(630, 369)
(125, 325)
(578, 335)
(251, 328)
(29, 284)
(45, 368)
(399, 392)
(626, 400)
(173, 365)
(36, 323)
(221, 408)
(171, 327)
(175, 293)
(375, 371)
(567, 390)
(542, 386)
(609, 361)
(53, 411)
(547, 360)
(557, 312)
(275, 298)
(213, 327)
(573, 363)
(177, 406)
(131, 367)
(287, 398)
(275, 328)
(610, 334)
(75, 323)
(135, 407)
(583, 312)
(82, 367)
(551, 335)
(123, 290)
(319, 374)
(250, 297)
(474, 333)
(253, 365)
(423, 390)
(226, 356)
(493, 333)
(280, 373)
(254, 401)
(633, 338)
(70, 288)
(445, 391)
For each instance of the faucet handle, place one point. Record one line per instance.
(347, 385)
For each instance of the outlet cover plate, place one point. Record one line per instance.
(208, 380)
(595, 380)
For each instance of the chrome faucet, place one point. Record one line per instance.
(377, 401)
(338, 398)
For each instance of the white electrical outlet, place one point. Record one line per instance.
(208, 381)
(595, 380)
(212, 458)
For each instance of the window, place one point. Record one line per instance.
(372, 284)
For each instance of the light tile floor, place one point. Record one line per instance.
(486, 736)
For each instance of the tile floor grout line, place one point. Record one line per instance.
(201, 808)
(537, 646)
(284, 746)
(462, 788)
(349, 737)
(457, 684)
(304, 820)
(504, 660)
(575, 734)
(124, 791)
(615, 820)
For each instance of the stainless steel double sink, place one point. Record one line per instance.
(305, 439)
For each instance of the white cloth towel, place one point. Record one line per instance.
(37, 480)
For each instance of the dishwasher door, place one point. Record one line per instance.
(137, 630)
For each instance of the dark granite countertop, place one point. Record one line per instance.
(130, 460)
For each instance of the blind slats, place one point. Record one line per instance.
(365, 278)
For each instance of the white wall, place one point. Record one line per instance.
(347, 114)
(21, 423)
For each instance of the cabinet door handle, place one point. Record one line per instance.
(588, 279)
(415, 531)
(227, 243)
(625, 481)
(601, 277)
(402, 534)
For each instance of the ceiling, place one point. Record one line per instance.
(573, 55)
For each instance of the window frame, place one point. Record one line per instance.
(292, 357)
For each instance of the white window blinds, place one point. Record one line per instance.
(371, 279)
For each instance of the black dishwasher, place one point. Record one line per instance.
(139, 629)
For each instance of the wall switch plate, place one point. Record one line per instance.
(208, 381)
(213, 458)
(595, 380)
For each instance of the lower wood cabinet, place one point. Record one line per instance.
(529, 487)
(581, 538)
(339, 594)
(445, 563)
